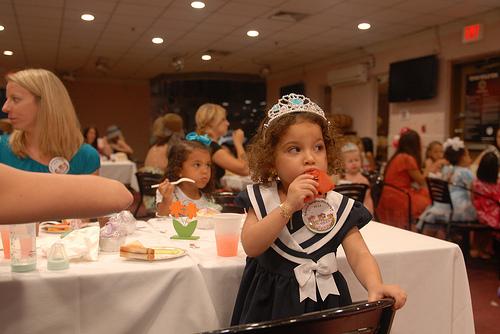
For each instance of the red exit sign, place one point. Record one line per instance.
(472, 33)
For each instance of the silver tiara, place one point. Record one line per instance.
(293, 103)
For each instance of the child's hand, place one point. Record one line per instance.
(302, 187)
(386, 290)
(166, 189)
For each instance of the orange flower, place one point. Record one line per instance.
(191, 210)
(176, 208)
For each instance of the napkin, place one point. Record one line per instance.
(82, 244)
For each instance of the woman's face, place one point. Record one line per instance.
(91, 134)
(21, 106)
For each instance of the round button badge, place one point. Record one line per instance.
(59, 165)
(319, 216)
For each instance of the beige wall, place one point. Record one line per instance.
(360, 100)
(126, 104)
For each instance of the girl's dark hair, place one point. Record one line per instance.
(261, 151)
(178, 154)
(454, 156)
(86, 130)
(409, 143)
(488, 168)
(367, 144)
(430, 147)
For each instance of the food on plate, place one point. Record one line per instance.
(207, 212)
(136, 250)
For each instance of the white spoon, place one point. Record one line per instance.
(182, 179)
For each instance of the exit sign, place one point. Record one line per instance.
(472, 33)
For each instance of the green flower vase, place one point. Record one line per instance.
(185, 232)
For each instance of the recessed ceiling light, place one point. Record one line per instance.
(8, 53)
(198, 4)
(206, 57)
(87, 17)
(364, 26)
(2, 28)
(252, 33)
(157, 40)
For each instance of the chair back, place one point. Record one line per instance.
(227, 201)
(146, 180)
(439, 191)
(356, 191)
(363, 317)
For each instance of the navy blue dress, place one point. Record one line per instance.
(270, 287)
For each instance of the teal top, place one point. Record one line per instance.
(85, 161)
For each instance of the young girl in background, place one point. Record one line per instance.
(434, 160)
(352, 167)
(288, 231)
(191, 159)
(460, 178)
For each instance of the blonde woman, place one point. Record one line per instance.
(46, 136)
(211, 120)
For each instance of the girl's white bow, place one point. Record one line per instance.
(455, 143)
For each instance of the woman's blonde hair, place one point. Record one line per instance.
(56, 120)
(208, 114)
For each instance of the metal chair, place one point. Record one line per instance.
(356, 191)
(145, 181)
(440, 193)
(363, 317)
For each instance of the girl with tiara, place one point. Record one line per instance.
(292, 232)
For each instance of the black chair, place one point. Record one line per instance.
(363, 317)
(145, 181)
(440, 193)
(226, 199)
(356, 191)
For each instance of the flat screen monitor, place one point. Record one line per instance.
(413, 79)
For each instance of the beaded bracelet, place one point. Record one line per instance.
(285, 211)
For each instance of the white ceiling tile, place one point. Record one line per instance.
(233, 20)
(91, 6)
(462, 10)
(38, 11)
(187, 14)
(241, 9)
(139, 10)
(308, 7)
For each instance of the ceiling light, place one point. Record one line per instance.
(206, 57)
(8, 53)
(364, 26)
(252, 33)
(87, 17)
(2, 28)
(157, 40)
(198, 4)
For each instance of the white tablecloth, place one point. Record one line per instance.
(197, 292)
(123, 171)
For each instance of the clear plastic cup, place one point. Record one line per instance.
(227, 233)
(23, 247)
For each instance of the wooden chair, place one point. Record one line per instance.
(363, 317)
(356, 191)
(440, 193)
(145, 181)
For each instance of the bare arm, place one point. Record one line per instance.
(28, 197)
(166, 190)
(366, 269)
(226, 160)
(418, 177)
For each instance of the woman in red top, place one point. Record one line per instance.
(403, 171)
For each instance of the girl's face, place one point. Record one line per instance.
(197, 167)
(220, 126)
(352, 162)
(91, 134)
(436, 152)
(300, 149)
(21, 106)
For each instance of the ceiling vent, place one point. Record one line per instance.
(285, 16)
(217, 53)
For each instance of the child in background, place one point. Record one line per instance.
(434, 160)
(288, 231)
(191, 159)
(460, 178)
(352, 166)
(367, 156)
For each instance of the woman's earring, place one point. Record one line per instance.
(274, 174)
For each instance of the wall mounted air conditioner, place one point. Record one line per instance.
(348, 75)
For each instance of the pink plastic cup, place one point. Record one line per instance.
(5, 241)
(227, 233)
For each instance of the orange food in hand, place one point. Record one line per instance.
(325, 183)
